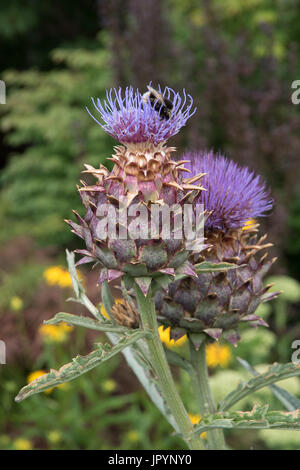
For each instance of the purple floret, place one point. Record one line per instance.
(129, 119)
(234, 193)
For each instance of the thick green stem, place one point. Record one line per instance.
(202, 392)
(162, 370)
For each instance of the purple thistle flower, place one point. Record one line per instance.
(130, 119)
(234, 193)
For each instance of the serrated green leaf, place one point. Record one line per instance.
(86, 322)
(79, 365)
(207, 267)
(274, 374)
(287, 399)
(258, 418)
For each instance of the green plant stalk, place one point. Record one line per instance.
(200, 383)
(162, 370)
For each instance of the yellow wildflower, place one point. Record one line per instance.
(57, 275)
(165, 338)
(65, 327)
(109, 385)
(55, 333)
(16, 303)
(195, 419)
(133, 436)
(249, 224)
(22, 444)
(217, 354)
(35, 375)
(103, 311)
(54, 437)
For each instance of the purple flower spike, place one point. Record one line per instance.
(234, 193)
(129, 119)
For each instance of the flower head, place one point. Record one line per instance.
(234, 193)
(54, 437)
(131, 119)
(164, 334)
(16, 303)
(57, 275)
(21, 443)
(55, 333)
(249, 224)
(133, 436)
(109, 385)
(218, 355)
(195, 419)
(143, 174)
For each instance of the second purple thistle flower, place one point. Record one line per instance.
(234, 193)
(217, 303)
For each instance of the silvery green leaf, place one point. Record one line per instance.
(86, 322)
(258, 418)
(274, 374)
(79, 365)
(287, 399)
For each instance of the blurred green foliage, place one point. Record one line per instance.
(29, 30)
(23, 282)
(46, 111)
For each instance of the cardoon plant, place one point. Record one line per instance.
(167, 277)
